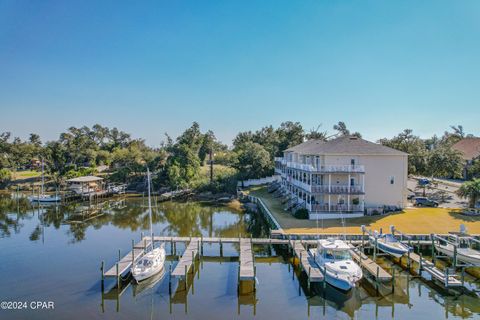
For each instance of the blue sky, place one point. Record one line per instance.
(155, 67)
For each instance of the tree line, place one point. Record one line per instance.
(184, 162)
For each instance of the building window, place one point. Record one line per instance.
(392, 180)
(352, 162)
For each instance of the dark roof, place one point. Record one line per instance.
(348, 145)
(469, 147)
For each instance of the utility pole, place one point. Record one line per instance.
(211, 165)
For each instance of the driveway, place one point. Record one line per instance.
(444, 194)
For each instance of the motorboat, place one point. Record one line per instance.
(464, 251)
(387, 243)
(153, 260)
(334, 259)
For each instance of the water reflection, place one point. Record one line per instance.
(169, 218)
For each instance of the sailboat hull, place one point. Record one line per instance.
(395, 249)
(157, 257)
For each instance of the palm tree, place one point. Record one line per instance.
(470, 190)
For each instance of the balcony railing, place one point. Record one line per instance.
(327, 168)
(337, 189)
(336, 208)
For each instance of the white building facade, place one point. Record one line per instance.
(347, 176)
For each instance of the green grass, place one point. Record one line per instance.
(21, 175)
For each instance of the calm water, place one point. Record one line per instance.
(54, 254)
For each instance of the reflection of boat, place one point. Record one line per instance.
(42, 197)
(149, 283)
(389, 244)
(333, 256)
(152, 261)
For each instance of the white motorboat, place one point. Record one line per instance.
(333, 257)
(389, 244)
(42, 197)
(465, 253)
(153, 260)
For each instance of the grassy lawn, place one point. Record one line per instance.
(411, 220)
(21, 175)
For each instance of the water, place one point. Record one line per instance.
(54, 254)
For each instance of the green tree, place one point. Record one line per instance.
(290, 134)
(445, 162)
(470, 190)
(252, 161)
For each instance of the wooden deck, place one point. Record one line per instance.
(125, 263)
(247, 268)
(436, 273)
(187, 260)
(306, 261)
(369, 265)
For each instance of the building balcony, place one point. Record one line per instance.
(335, 208)
(338, 189)
(327, 168)
(278, 170)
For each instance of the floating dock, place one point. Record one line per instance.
(369, 265)
(449, 279)
(124, 264)
(307, 262)
(247, 268)
(187, 260)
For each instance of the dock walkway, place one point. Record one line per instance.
(369, 265)
(307, 261)
(187, 260)
(125, 263)
(449, 280)
(247, 268)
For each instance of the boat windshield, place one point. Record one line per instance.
(146, 263)
(337, 254)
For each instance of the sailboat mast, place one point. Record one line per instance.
(149, 205)
(43, 177)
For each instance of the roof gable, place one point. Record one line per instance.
(469, 147)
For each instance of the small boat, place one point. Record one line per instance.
(42, 197)
(465, 253)
(333, 257)
(387, 243)
(152, 261)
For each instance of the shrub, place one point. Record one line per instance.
(356, 201)
(301, 213)
(5, 176)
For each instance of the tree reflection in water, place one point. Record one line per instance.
(170, 218)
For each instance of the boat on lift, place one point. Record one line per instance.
(334, 259)
(464, 247)
(153, 261)
(387, 243)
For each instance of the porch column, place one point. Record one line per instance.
(348, 202)
(329, 182)
(348, 183)
(329, 203)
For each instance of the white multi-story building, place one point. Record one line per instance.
(346, 176)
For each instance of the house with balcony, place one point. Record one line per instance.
(343, 177)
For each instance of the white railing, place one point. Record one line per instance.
(336, 208)
(327, 168)
(337, 189)
(278, 170)
(302, 185)
(257, 182)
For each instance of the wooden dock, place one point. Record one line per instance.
(125, 263)
(448, 279)
(187, 260)
(369, 265)
(247, 267)
(307, 262)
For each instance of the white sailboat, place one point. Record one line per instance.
(333, 257)
(42, 197)
(152, 262)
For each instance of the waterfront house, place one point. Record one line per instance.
(470, 150)
(346, 176)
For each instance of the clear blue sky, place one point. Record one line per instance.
(154, 67)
